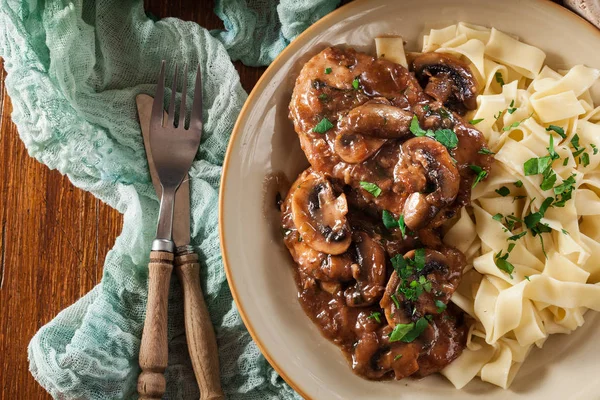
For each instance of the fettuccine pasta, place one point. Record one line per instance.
(531, 234)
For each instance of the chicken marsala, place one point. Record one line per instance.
(391, 159)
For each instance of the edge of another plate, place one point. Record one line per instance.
(262, 82)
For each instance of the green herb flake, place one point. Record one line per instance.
(499, 78)
(511, 246)
(511, 109)
(328, 71)
(575, 141)
(548, 180)
(440, 306)
(517, 236)
(483, 150)
(565, 161)
(395, 300)
(503, 264)
(400, 331)
(399, 356)
(476, 121)
(527, 277)
(557, 129)
(585, 159)
(518, 183)
(402, 225)
(497, 217)
(355, 83)
(399, 264)
(376, 315)
(388, 220)
(371, 188)
(419, 259)
(503, 191)
(511, 126)
(447, 137)
(481, 174)
(551, 150)
(323, 126)
(535, 166)
(409, 332)
(564, 231)
(594, 148)
(323, 96)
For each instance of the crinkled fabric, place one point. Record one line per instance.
(74, 69)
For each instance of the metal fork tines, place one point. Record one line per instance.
(173, 148)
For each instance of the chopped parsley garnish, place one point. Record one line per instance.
(594, 148)
(419, 259)
(476, 121)
(517, 236)
(527, 277)
(415, 128)
(511, 109)
(355, 83)
(535, 166)
(565, 191)
(440, 306)
(447, 137)
(408, 332)
(518, 198)
(585, 159)
(399, 356)
(557, 129)
(519, 183)
(371, 188)
(327, 71)
(551, 150)
(390, 222)
(323, 96)
(481, 174)
(533, 219)
(483, 150)
(399, 264)
(565, 161)
(516, 123)
(323, 126)
(499, 78)
(564, 231)
(503, 191)
(575, 142)
(548, 180)
(503, 264)
(376, 316)
(497, 217)
(395, 300)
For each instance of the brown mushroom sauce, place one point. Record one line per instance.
(380, 294)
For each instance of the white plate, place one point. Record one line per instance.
(259, 267)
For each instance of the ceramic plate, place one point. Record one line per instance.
(263, 144)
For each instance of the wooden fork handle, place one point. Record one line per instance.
(199, 330)
(154, 348)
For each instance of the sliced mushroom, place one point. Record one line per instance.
(320, 216)
(443, 341)
(369, 271)
(374, 357)
(441, 271)
(447, 79)
(354, 148)
(426, 168)
(377, 120)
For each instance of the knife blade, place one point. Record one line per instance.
(181, 218)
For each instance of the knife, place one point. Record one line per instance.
(200, 335)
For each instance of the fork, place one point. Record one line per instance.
(173, 149)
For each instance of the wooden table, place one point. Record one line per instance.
(40, 209)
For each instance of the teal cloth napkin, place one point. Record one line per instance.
(74, 69)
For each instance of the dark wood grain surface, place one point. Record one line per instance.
(53, 236)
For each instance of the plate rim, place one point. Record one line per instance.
(259, 87)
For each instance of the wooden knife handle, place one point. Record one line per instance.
(199, 330)
(154, 348)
